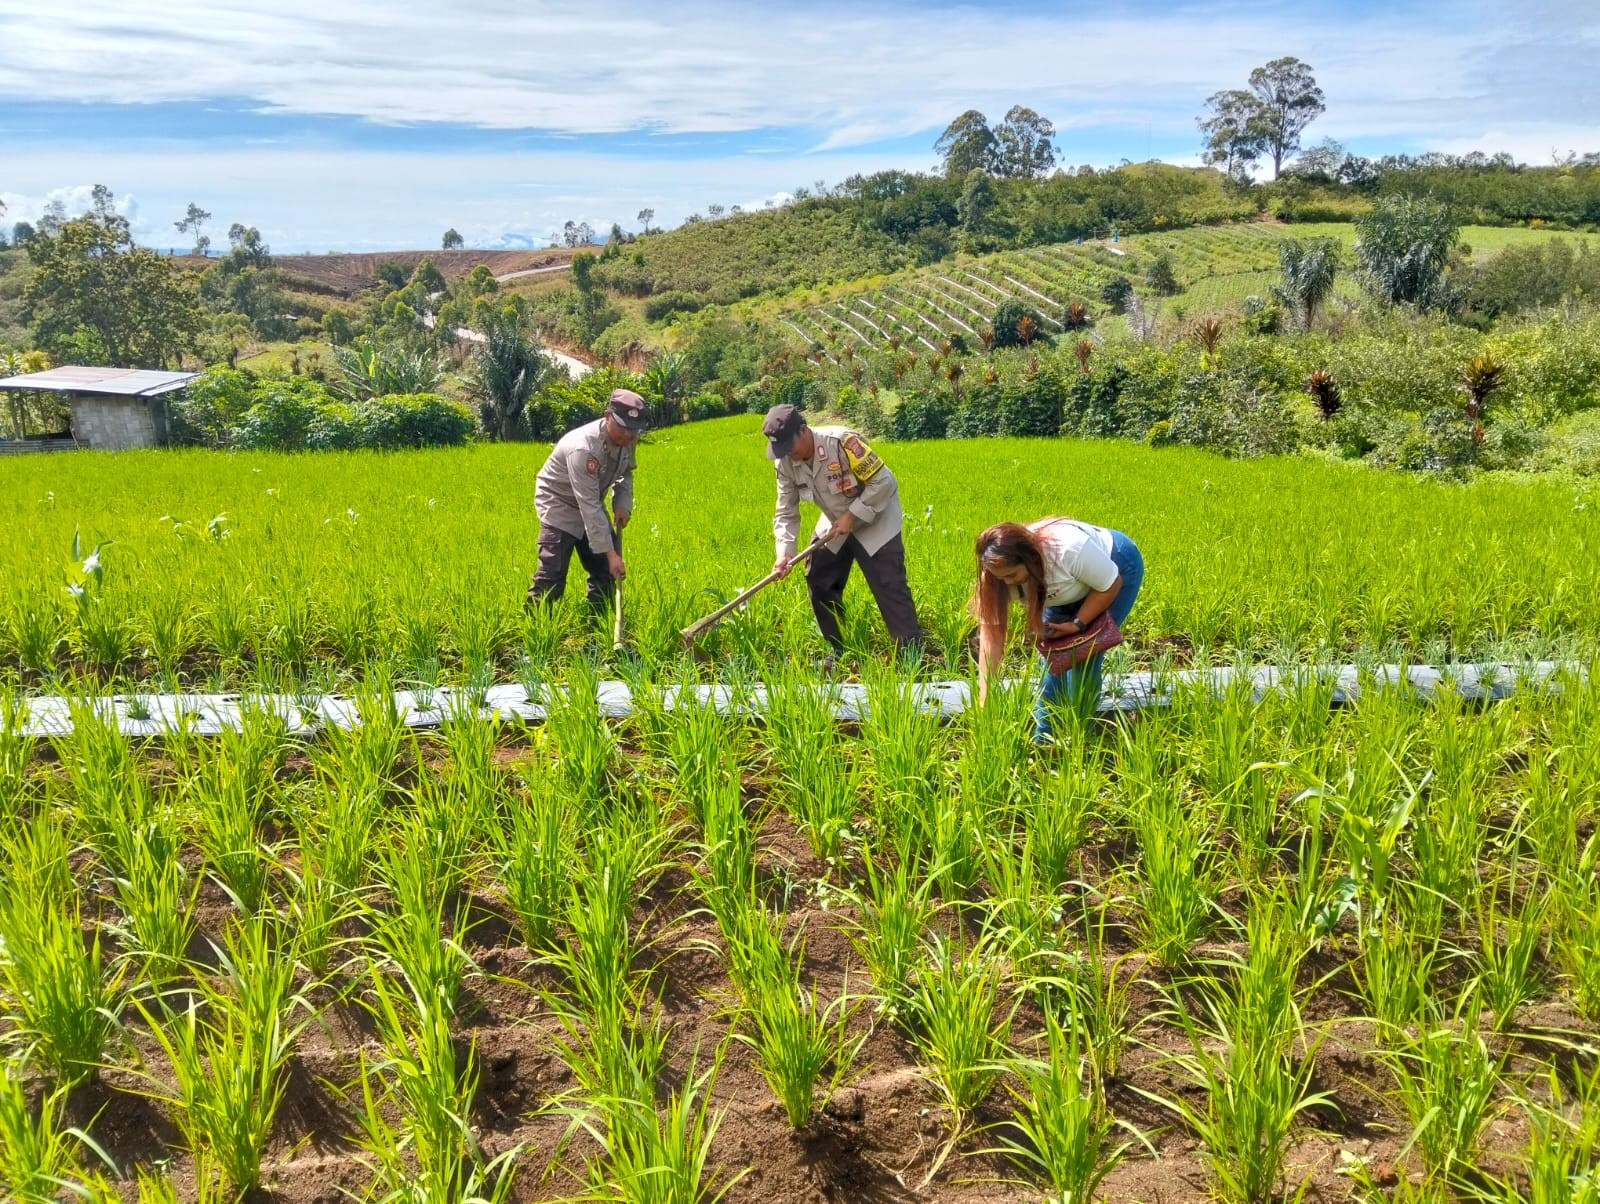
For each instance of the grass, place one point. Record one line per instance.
(651, 955)
(311, 536)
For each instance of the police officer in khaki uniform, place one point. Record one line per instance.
(570, 499)
(860, 523)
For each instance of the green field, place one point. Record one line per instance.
(425, 556)
(1234, 949)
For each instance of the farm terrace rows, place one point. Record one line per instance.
(1227, 949)
(219, 572)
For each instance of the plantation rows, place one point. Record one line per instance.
(1232, 949)
(265, 572)
(1217, 268)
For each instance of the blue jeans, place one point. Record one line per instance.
(1080, 687)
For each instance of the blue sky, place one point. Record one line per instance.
(358, 124)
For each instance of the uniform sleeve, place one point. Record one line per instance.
(583, 471)
(1094, 566)
(878, 486)
(622, 494)
(786, 519)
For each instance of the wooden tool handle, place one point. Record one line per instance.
(722, 612)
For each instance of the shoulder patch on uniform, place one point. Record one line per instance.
(864, 462)
(592, 467)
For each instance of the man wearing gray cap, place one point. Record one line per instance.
(570, 500)
(860, 523)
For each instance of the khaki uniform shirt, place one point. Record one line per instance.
(842, 474)
(570, 494)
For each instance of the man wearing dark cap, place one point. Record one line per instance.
(570, 499)
(860, 523)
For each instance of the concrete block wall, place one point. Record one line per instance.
(112, 423)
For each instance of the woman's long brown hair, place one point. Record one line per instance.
(1009, 544)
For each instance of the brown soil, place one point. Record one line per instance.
(347, 274)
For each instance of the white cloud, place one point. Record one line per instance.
(74, 199)
(860, 74)
(317, 200)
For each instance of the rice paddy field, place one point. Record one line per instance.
(1242, 948)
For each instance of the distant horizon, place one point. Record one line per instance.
(341, 128)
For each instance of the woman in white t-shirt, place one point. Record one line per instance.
(1066, 574)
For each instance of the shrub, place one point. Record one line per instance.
(1009, 329)
(1033, 406)
(1093, 403)
(1116, 293)
(978, 415)
(283, 416)
(708, 405)
(1229, 413)
(673, 302)
(410, 420)
(1160, 276)
(209, 409)
(921, 416)
(1262, 316)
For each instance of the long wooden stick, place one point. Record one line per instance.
(616, 593)
(700, 626)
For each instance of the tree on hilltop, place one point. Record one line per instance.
(452, 240)
(1025, 151)
(967, 144)
(1267, 118)
(646, 216)
(577, 234)
(1232, 132)
(193, 222)
(1290, 101)
(246, 247)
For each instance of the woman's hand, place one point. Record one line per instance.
(1070, 627)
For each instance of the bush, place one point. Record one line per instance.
(978, 415)
(1008, 316)
(1161, 277)
(921, 416)
(210, 408)
(1093, 403)
(708, 405)
(1116, 294)
(1262, 316)
(410, 420)
(1229, 413)
(284, 415)
(673, 302)
(1032, 406)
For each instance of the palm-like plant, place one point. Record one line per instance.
(1082, 350)
(1309, 267)
(367, 369)
(509, 367)
(1325, 393)
(1481, 377)
(1075, 316)
(1027, 330)
(1208, 332)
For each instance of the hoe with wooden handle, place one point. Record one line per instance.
(700, 626)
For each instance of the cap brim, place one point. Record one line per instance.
(777, 449)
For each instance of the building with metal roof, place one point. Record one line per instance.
(111, 408)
